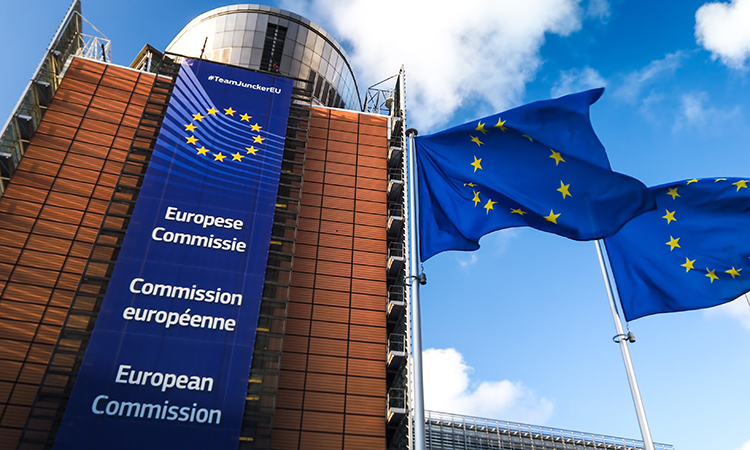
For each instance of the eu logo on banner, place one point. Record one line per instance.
(169, 358)
(539, 165)
(691, 252)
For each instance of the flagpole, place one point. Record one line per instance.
(622, 339)
(414, 280)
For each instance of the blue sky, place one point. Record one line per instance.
(521, 330)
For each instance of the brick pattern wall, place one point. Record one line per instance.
(49, 217)
(332, 382)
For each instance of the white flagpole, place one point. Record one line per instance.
(414, 281)
(622, 339)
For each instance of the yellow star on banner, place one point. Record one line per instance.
(476, 198)
(500, 124)
(203, 151)
(219, 157)
(256, 128)
(212, 111)
(470, 185)
(557, 157)
(198, 117)
(258, 140)
(477, 164)
(237, 157)
(694, 180)
(480, 128)
(517, 211)
(688, 265)
(552, 217)
(741, 184)
(191, 140)
(734, 272)
(190, 127)
(527, 137)
(670, 217)
(719, 179)
(673, 193)
(711, 274)
(245, 117)
(251, 150)
(229, 111)
(476, 140)
(564, 189)
(488, 206)
(673, 243)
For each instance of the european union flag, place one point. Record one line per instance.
(691, 252)
(539, 165)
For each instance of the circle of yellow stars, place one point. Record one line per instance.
(564, 189)
(670, 216)
(219, 156)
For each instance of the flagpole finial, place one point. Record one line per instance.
(411, 132)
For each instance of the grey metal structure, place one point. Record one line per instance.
(70, 39)
(456, 432)
(272, 40)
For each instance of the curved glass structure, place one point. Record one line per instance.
(272, 40)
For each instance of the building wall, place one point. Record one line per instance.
(50, 215)
(332, 382)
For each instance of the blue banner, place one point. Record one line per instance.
(169, 358)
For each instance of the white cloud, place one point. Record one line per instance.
(576, 80)
(738, 309)
(724, 30)
(598, 9)
(695, 113)
(448, 388)
(636, 82)
(470, 261)
(745, 446)
(481, 53)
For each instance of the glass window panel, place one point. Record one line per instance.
(252, 21)
(315, 62)
(255, 58)
(241, 21)
(327, 52)
(319, 44)
(307, 57)
(262, 23)
(299, 50)
(230, 20)
(294, 69)
(302, 35)
(227, 39)
(235, 56)
(245, 57)
(238, 37)
(286, 64)
(221, 23)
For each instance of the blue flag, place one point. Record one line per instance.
(691, 252)
(539, 165)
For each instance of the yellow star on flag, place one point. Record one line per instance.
(527, 137)
(719, 179)
(734, 272)
(212, 111)
(255, 127)
(552, 217)
(557, 157)
(670, 217)
(258, 140)
(500, 124)
(198, 117)
(741, 184)
(219, 157)
(694, 180)
(476, 198)
(673, 243)
(517, 211)
(237, 157)
(673, 193)
(476, 140)
(564, 189)
(688, 265)
(251, 150)
(488, 206)
(470, 185)
(203, 151)
(190, 127)
(245, 117)
(191, 140)
(229, 111)
(477, 164)
(711, 274)
(480, 128)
